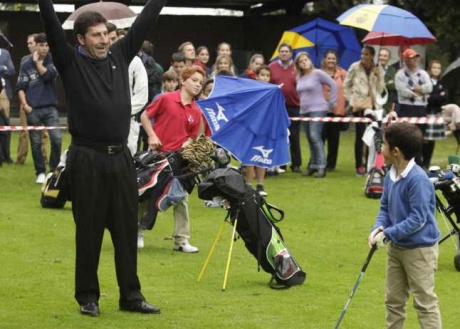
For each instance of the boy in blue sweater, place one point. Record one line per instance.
(406, 223)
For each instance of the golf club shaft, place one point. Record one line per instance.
(355, 287)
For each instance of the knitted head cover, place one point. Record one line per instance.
(198, 153)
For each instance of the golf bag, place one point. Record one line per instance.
(164, 178)
(55, 189)
(376, 175)
(157, 187)
(448, 182)
(255, 223)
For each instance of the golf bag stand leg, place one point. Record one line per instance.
(230, 254)
(211, 251)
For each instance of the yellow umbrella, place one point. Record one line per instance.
(295, 40)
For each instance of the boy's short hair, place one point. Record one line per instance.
(110, 27)
(170, 75)
(177, 57)
(262, 67)
(189, 71)
(405, 136)
(86, 20)
(40, 38)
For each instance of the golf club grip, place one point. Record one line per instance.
(368, 259)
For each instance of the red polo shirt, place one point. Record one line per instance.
(174, 122)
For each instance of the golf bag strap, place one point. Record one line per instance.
(268, 210)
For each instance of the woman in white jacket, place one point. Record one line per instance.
(364, 81)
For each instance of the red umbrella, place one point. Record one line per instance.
(392, 39)
(117, 13)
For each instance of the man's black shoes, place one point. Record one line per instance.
(90, 309)
(139, 306)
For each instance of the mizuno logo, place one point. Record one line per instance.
(220, 113)
(216, 118)
(265, 154)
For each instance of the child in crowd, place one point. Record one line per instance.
(406, 223)
(207, 89)
(262, 73)
(170, 81)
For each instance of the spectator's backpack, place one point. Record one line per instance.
(255, 223)
(154, 74)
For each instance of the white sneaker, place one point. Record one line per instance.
(280, 170)
(140, 239)
(41, 178)
(185, 247)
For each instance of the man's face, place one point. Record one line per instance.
(112, 37)
(189, 52)
(193, 84)
(95, 43)
(387, 153)
(411, 63)
(285, 54)
(42, 49)
(384, 57)
(178, 67)
(31, 44)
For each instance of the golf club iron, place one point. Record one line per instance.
(355, 287)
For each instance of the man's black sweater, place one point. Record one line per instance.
(97, 91)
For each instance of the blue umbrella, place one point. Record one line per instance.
(327, 35)
(249, 119)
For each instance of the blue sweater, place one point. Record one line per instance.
(40, 90)
(407, 210)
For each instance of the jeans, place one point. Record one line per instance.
(46, 116)
(314, 131)
(294, 137)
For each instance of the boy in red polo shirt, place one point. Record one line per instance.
(176, 120)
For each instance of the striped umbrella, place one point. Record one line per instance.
(385, 18)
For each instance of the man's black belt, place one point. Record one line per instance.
(106, 149)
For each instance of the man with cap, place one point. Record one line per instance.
(413, 86)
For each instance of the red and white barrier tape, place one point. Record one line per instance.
(423, 120)
(19, 128)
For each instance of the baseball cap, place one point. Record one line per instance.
(410, 53)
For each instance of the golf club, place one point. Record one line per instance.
(355, 287)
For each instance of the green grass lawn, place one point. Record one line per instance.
(326, 227)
